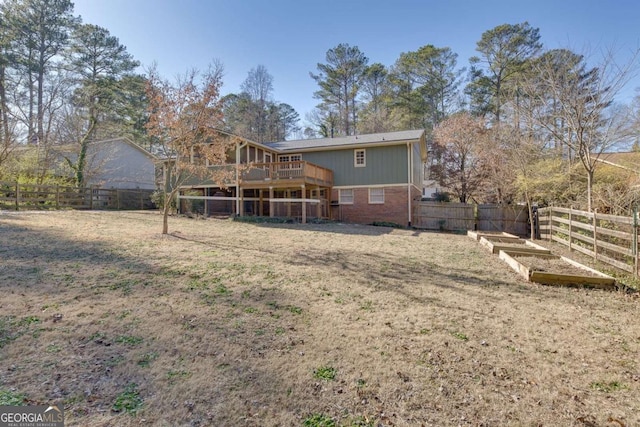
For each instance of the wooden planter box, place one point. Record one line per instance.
(557, 276)
(510, 244)
(476, 235)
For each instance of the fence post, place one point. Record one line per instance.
(57, 196)
(570, 229)
(635, 241)
(595, 235)
(17, 195)
(550, 224)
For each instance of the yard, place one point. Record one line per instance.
(224, 323)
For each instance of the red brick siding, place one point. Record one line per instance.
(394, 208)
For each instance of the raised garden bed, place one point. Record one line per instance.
(476, 235)
(555, 270)
(510, 244)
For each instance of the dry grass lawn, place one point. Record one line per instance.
(224, 323)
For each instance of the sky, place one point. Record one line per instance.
(290, 37)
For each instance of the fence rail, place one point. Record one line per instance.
(610, 239)
(33, 196)
(465, 216)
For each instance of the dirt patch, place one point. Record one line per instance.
(226, 323)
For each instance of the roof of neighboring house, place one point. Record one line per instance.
(386, 138)
(127, 141)
(629, 160)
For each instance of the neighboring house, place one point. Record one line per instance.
(360, 179)
(114, 163)
(629, 160)
(119, 163)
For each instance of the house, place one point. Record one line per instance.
(120, 164)
(627, 160)
(359, 179)
(111, 164)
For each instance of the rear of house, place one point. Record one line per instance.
(359, 179)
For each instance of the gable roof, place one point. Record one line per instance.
(127, 141)
(386, 138)
(629, 160)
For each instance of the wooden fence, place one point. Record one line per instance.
(465, 216)
(610, 239)
(32, 196)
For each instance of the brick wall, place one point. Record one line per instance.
(394, 208)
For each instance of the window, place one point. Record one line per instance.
(291, 158)
(359, 158)
(376, 196)
(345, 196)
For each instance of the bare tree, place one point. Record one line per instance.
(463, 140)
(184, 118)
(582, 115)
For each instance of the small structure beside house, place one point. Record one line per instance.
(120, 164)
(359, 179)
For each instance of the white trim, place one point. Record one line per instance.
(377, 202)
(338, 187)
(353, 197)
(364, 158)
(249, 199)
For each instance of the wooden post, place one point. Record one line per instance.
(261, 207)
(635, 242)
(288, 196)
(570, 229)
(595, 235)
(241, 198)
(57, 196)
(319, 205)
(271, 201)
(304, 204)
(550, 224)
(17, 195)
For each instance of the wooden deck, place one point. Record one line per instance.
(286, 174)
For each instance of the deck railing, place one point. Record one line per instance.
(277, 172)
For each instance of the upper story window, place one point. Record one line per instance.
(290, 158)
(360, 158)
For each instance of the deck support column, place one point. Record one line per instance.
(319, 204)
(241, 198)
(271, 201)
(261, 207)
(287, 195)
(304, 204)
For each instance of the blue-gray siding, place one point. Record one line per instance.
(384, 165)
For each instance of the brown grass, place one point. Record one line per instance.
(224, 323)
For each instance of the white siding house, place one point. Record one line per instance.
(119, 163)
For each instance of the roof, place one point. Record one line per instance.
(127, 141)
(629, 160)
(386, 138)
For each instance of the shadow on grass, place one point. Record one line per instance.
(81, 341)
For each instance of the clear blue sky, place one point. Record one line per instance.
(289, 37)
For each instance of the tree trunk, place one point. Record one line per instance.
(6, 135)
(589, 189)
(165, 217)
(169, 196)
